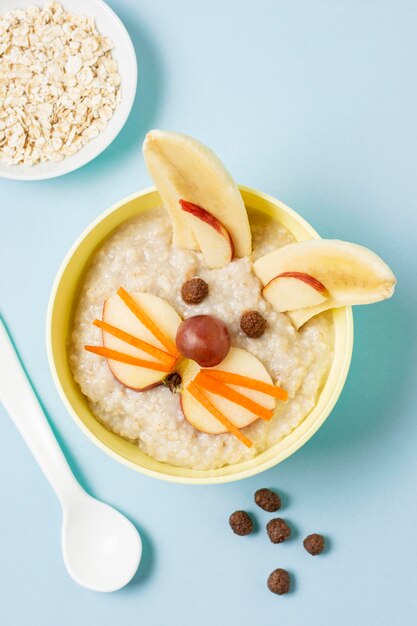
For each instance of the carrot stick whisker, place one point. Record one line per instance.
(166, 358)
(114, 355)
(222, 390)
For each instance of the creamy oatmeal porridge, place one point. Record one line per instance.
(139, 256)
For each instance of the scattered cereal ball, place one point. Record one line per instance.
(268, 500)
(241, 523)
(194, 291)
(279, 581)
(253, 324)
(278, 530)
(314, 544)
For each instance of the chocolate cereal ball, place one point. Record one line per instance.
(241, 523)
(279, 581)
(314, 544)
(268, 500)
(253, 324)
(278, 530)
(173, 382)
(194, 291)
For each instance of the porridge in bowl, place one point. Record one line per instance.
(140, 257)
(213, 372)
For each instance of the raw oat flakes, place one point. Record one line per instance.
(59, 84)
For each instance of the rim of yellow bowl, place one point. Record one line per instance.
(116, 446)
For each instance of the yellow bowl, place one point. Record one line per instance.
(59, 323)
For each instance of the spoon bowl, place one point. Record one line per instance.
(101, 547)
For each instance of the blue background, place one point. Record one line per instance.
(315, 103)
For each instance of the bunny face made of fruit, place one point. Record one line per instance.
(299, 279)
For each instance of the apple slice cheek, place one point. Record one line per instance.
(241, 416)
(131, 340)
(147, 321)
(246, 382)
(116, 313)
(204, 421)
(136, 378)
(196, 392)
(137, 374)
(222, 390)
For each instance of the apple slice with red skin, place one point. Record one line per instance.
(117, 314)
(212, 237)
(351, 273)
(239, 362)
(294, 290)
(182, 167)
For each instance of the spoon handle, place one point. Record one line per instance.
(20, 401)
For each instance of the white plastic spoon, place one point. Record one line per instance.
(101, 548)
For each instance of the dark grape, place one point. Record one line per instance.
(204, 339)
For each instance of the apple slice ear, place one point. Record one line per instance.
(212, 237)
(294, 290)
(351, 273)
(182, 167)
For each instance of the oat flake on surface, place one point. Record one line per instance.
(59, 84)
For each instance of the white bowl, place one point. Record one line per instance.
(123, 52)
